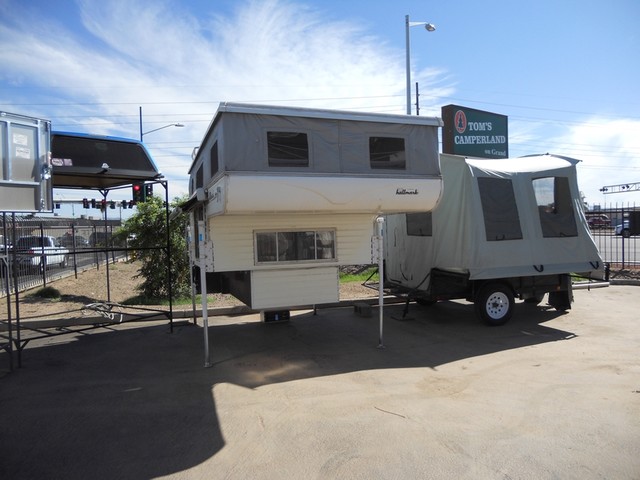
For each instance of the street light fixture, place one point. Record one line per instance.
(156, 129)
(430, 27)
(160, 128)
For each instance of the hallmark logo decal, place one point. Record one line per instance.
(406, 191)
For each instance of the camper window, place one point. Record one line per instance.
(419, 224)
(387, 152)
(288, 149)
(199, 177)
(277, 247)
(213, 161)
(501, 219)
(555, 207)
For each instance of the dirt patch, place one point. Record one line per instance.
(91, 286)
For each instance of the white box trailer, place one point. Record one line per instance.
(503, 229)
(25, 164)
(282, 197)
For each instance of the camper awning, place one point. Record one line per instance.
(99, 162)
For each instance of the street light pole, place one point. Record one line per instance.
(430, 28)
(142, 134)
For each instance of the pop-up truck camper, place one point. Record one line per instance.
(503, 229)
(281, 197)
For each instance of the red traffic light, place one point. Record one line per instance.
(137, 192)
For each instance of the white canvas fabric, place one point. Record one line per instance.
(460, 241)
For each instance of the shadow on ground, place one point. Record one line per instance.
(137, 402)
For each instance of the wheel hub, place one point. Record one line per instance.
(497, 305)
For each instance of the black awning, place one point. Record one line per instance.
(99, 162)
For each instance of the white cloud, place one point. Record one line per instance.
(178, 66)
(610, 153)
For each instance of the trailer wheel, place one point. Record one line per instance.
(494, 304)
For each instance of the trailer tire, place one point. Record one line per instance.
(494, 303)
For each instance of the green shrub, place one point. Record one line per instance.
(48, 292)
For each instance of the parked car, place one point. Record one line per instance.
(623, 229)
(66, 240)
(40, 252)
(598, 221)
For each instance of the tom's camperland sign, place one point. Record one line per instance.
(474, 133)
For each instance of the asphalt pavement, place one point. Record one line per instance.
(547, 396)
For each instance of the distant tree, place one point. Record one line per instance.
(146, 230)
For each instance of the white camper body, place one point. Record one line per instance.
(503, 228)
(282, 197)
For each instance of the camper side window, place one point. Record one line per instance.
(419, 224)
(555, 207)
(501, 219)
(287, 149)
(310, 245)
(213, 161)
(199, 177)
(387, 152)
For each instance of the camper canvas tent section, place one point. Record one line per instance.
(515, 222)
(281, 197)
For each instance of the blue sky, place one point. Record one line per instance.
(565, 72)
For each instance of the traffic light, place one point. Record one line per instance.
(103, 205)
(123, 204)
(93, 203)
(148, 190)
(85, 203)
(112, 205)
(130, 203)
(137, 191)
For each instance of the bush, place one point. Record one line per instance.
(147, 231)
(48, 292)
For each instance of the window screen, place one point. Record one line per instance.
(499, 209)
(288, 149)
(213, 161)
(419, 224)
(300, 246)
(555, 207)
(387, 152)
